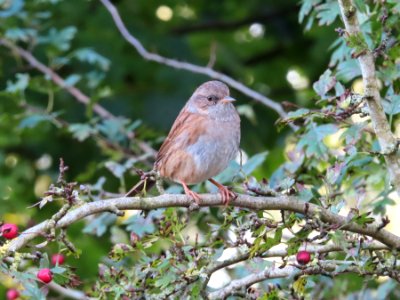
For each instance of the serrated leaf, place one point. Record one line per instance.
(58, 270)
(20, 34)
(254, 162)
(363, 219)
(92, 57)
(114, 129)
(33, 120)
(306, 8)
(298, 113)
(396, 6)
(140, 225)
(324, 84)
(299, 285)
(311, 141)
(11, 9)
(19, 85)
(81, 131)
(391, 105)
(99, 225)
(327, 12)
(59, 39)
(73, 79)
(348, 70)
(44, 261)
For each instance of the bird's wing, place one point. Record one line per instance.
(185, 131)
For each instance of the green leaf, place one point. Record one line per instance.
(59, 39)
(44, 261)
(327, 12)
(81, 131)
(33, 120)
(21, 34)
(58, 270)
(348, 70)
(300, 113)
(99, 225)
(11, 8)
(254, 162)
(385, 288)
(92, 57)
(363, 219)
(119, 251)
(305, 195)
(306, 7)
(73, 79)
(140, 225)
(357, 42)
(391, 105)
(19, 85)
(312, 140)
(114, 129)
(396, 7)
(325, 83)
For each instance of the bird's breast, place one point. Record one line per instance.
(214, 149)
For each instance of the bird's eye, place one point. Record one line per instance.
(212, 98)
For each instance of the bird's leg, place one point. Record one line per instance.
(159, 185)
(190, 193)
(226, 194)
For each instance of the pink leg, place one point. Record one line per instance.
(190, 193)
(226, 194)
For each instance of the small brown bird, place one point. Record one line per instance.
(203, 140)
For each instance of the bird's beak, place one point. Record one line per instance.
(228, 99)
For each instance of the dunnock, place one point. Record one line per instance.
(203, 139)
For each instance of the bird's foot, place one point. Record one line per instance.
(190, 193)
(226, 194)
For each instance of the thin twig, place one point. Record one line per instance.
(325, 268)
(69, 293)
(75, 92)
(283, 252)
(189, 66)
(57, 79)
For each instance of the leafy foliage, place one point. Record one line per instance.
(332, 160)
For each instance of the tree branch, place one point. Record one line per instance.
(326, 268)
(289, 203)
(188, 66)
(283, 252)
(69, 293)
(57, 79)
(387, 140)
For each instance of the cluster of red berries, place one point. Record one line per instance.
(10, 231)
(44, 275)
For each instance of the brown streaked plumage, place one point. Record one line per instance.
(203, 139)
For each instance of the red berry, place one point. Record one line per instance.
(303, 257)
(9, 231)
(45, 275)
(57, 259)
(12, 294)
